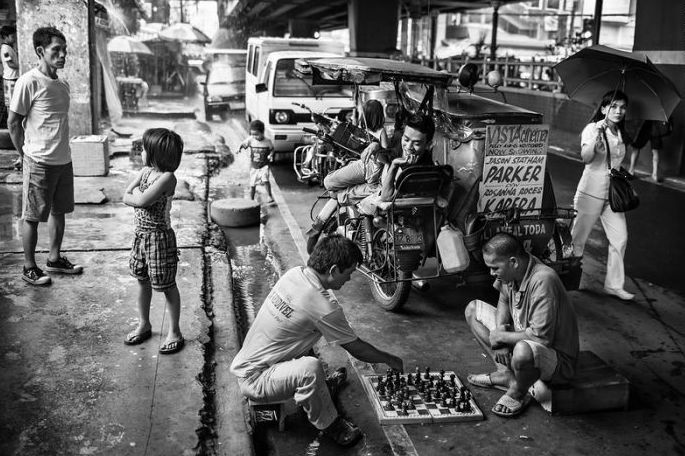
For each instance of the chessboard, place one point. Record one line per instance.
(421, 397)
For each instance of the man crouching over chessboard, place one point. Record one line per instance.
(532, 334)
(272, 365)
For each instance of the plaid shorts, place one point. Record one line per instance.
(154, 257)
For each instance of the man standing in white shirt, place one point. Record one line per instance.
(274, 362)
(39, 127)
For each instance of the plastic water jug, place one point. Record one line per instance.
(454, 255)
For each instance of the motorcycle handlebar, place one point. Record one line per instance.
(310, 130)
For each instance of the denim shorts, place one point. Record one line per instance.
(48, 189)
(154, 257)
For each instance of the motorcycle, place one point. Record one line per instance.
(401, 236)
(436, 224)
(334, 144)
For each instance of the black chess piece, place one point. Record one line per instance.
(429, 398)
(443, 403)
(453, 379)
(442, 373)
(427, 375)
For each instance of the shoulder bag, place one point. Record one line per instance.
(622, 195)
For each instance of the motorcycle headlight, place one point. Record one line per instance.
(281, 117)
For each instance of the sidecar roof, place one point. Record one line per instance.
(370, 71)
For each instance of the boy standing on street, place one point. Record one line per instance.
(261, 153)
(39, 127)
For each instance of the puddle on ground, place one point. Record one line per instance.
(254, 272)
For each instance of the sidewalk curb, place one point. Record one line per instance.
(233, 436)
(161, 115)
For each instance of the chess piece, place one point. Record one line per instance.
(453, 379)
(427, 375)
(443, 403)
(442, 373)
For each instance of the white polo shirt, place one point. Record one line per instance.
(294, 316)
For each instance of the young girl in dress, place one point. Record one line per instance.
(154, 256)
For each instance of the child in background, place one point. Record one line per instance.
(261, 153)
(154, 256)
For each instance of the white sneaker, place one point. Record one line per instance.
(619, 293)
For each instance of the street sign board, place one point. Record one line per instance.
(514, 167)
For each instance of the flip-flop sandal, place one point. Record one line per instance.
(483, 381)
(515, 407)
(134, 339)
(172, 347)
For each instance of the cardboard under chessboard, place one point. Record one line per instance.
(425, 412)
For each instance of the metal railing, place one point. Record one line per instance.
(528, 74)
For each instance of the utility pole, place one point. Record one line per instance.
(495, 19)
(598, 21)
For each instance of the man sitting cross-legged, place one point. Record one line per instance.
(533, 332)
(273, 363)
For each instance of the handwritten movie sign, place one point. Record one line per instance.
(514, 168)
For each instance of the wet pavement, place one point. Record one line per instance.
(72, 387)
(69, 384)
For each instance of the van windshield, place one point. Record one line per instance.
(288, 83)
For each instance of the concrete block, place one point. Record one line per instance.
(90, 155)
(596, 386)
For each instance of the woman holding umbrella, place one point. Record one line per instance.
(591, 199)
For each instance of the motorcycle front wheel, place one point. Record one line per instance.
(392, 296)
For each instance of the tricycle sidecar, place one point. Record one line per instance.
(473, 135)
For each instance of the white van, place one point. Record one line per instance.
(271, 69)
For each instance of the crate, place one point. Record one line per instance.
(90, 155)
(268, 411)
(595, 387)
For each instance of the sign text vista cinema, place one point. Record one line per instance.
(514, 167)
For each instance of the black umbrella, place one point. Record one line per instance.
(591, 72)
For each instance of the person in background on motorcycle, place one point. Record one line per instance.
(358, 178)
(261, 153)
(374, 118)
(274, 362)
(532, 333)
(591, 199)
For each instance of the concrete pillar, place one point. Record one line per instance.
(299, 28)
(72, 18)
(415, 36)
(665, 47)
(404, 36)
(373, 27)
